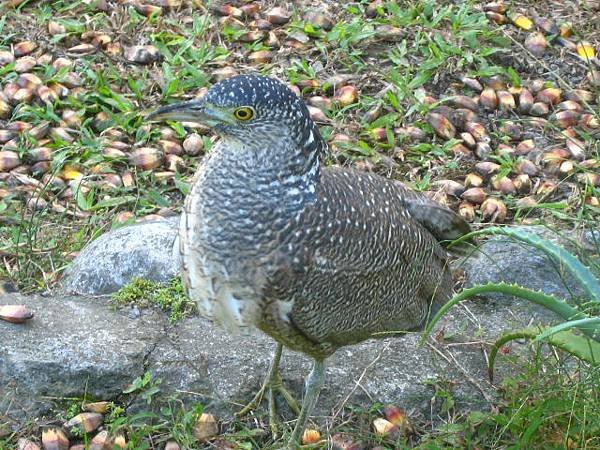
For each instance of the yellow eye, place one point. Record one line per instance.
(244, 113)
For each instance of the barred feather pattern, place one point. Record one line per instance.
(316, 257)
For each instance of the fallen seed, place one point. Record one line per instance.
(493, 210)
(496, 83)
(546, 25)
(170, 147)
(497, 7)
(505, 150)
(9, 160)
(54, 439)
(383, 427)
(310, 437)
(25, 64)
(278, 16)
(120, 442)
(101, 441)
(467, 211)
(589, 178)
(526, 167)
(511, 129)
(577, 148)
(24, 95)
(539, 109)
(15, 313)
(142, 54)
(318, 20)
(496, 17)
(317, 114)
(26, 444)
(488, 99)
(468, 139)
(346, 95)
(526, 202)
(82, 49)
(506, 101)
(565, 29)
(452, 188)
(462, 101)
(549, 96)
(483, 150)
(474, 195)
(146, 158)
(547, 187)
(487, 168)
(24, 48)
(536, 43)
(569, 105)
(193, 144)
(148, 10)
(522, 183)
(6, 57)
(441, 125)
(206, 428)
(86, 422)
(472, 83)
(525, 147)
(260, 57)
(580, 95)
(565, 119)
(478, 131)
(473, 180)
(589, 121)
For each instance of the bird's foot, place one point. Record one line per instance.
(271, 387)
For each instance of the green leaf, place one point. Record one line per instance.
(560, 307)
(84, 202)
(580, 323)
(112, 202)
(577, 345)
(581, 273)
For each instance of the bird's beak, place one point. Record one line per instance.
(197, 111)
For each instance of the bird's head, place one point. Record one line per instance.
(250, 109)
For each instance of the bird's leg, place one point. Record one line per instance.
(314, 383)
(272, 384)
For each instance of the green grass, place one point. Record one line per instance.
(166, 296)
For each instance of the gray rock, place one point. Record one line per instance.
(77, 345)
(147, 250)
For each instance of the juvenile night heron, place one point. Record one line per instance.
(316, 257)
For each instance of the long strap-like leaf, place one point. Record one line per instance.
(579, 346)
(581, 273)
(560, 307)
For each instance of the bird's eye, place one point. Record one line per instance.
(244, 113)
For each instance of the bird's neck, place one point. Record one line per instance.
(276, 171)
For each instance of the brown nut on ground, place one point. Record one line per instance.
(493, 210)
(146, 158)
(15, 313)
(54, 439)
(474, 195)
(441, 125)
(206, 428)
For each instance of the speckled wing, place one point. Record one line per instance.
(440, 221)
(371, 267)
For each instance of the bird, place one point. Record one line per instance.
(317, 257)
